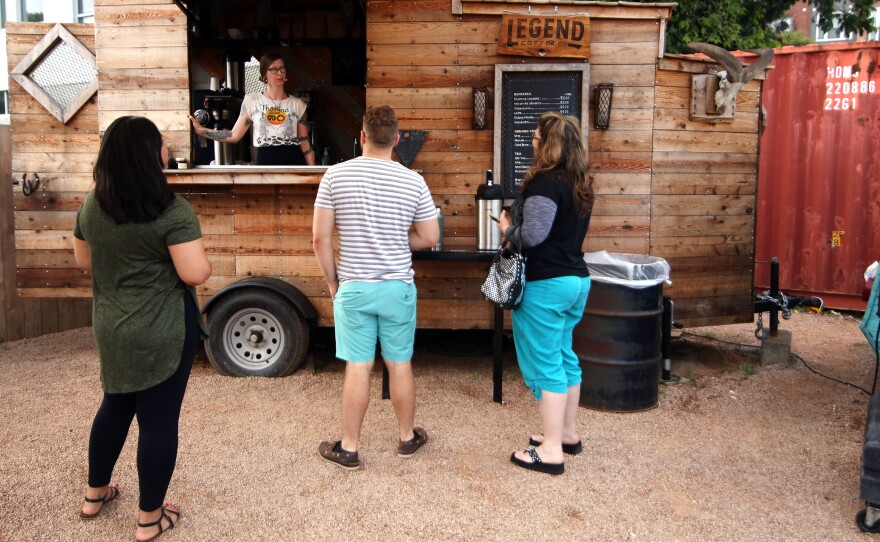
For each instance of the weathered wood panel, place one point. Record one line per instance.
(143, 61)
(61, 154)
(703, 199)
(665, 186)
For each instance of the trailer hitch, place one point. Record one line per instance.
(775, 301)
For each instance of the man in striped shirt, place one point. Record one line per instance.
(381, 211)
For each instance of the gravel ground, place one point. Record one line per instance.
(735, 451)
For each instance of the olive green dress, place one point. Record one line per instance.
(138, 312)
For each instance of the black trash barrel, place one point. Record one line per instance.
(618, 345)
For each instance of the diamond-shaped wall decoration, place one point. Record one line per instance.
(59, 73)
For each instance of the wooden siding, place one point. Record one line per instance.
(424, 63)
(703, 199)
(143, 66)
(36, 239)
(665, 185)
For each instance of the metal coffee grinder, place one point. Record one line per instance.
(488, 201)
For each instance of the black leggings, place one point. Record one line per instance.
(158, 412)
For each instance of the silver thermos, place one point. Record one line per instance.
(488, 201)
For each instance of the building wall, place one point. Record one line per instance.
(666, 186)
(703, 187)
(39, 253)
(804, 21)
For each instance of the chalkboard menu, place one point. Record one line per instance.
(522, 94)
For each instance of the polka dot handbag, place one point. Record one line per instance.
(507, 278)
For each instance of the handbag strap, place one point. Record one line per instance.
(513, 246)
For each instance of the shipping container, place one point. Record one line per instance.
(819, 189)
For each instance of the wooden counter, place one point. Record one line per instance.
(232, 175)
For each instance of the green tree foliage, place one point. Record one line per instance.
(747, 24)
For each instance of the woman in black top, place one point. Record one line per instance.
(557, 199)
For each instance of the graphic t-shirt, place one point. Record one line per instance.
(274, 121)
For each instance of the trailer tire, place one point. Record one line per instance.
(256, 332)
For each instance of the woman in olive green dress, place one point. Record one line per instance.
(143, 246)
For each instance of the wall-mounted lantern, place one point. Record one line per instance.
(604, 92)
(481, 97)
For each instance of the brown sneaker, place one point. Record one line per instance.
(408, 448)
(333, 452)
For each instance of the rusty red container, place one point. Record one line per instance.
(819, 171)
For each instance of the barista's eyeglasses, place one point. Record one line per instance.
(278, 70)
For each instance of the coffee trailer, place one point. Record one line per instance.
(673, 179)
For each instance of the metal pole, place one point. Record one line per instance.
(666, 339)
(497, 354)
(774, 293)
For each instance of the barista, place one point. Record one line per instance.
(281, 135)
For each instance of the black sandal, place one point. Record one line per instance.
(158, 523)
(112, 493)
(537, 464)
(570, 449)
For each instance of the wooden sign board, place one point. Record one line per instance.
(523, 92)
(548, 36)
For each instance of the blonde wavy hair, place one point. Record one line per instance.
(562, 150)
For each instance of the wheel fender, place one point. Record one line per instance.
(285, 289)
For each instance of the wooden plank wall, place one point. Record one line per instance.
(42, 265)
(424, 62)
(143, 61)
(703, 199)
(663, 186)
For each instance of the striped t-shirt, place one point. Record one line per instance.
(375, 202)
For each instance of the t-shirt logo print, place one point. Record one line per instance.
(275, 116)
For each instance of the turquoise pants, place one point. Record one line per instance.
(542, 333)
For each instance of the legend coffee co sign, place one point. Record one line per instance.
(551, 36)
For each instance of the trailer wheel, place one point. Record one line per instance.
(256, 332)
(860, 522)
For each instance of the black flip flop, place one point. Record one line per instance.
(537, 464)
(570, 449)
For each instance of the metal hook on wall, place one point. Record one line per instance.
(28, 187)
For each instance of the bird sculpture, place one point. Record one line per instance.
(734, 75)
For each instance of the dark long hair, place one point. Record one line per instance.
(129, 183)
(562, 150)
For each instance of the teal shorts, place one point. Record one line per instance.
(367, 311)
(542, 333)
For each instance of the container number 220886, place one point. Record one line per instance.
(844, 95)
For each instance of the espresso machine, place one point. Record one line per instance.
(219, 109)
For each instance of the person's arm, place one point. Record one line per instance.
(538, 215)
(424, 234)
(191, 262)
(323, 223)
(81, 254)
(224, 136)
(302, 132)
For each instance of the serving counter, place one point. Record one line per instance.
(232, 175)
